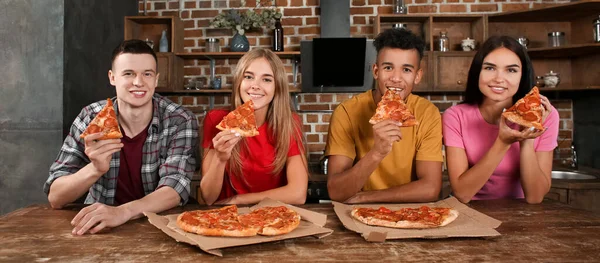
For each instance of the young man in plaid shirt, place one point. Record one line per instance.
(149, 169)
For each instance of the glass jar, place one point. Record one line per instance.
(443, 42)
(556, 39)
(399, 7)
(539, 81)
(212, 45)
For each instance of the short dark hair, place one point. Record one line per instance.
(472, 94)
(133, 46)
(399, 38)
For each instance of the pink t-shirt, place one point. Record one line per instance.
(464, 127)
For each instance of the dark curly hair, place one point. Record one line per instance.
(132, 46)
(399, 38)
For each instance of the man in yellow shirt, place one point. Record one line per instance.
(386, 162)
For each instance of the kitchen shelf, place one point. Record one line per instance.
(559, 13)
(565, 51)
(225, 55)
(212, 91)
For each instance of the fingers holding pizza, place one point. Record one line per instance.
(100, 151)
(546, 107)
(224, 142)
(509, 135)
(385, 134)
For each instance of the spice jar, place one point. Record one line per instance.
(556, 39)
(212, 45)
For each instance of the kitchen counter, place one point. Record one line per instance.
(550, 231)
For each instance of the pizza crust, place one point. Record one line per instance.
(242, 133)
(516, 118)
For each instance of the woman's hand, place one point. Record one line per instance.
(224, 142)
(546, 107)
(508, 135)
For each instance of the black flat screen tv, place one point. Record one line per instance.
(337, 64)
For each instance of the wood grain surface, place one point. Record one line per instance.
(549, 232)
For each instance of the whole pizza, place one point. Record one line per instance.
(422, 217)
(226, 222)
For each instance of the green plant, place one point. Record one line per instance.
(241, 20)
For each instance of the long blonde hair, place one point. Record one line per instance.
(280, 113)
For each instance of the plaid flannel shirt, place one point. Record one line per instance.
(168, 157)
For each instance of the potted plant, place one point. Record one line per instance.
(241, 20)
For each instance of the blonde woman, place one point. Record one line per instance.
(245, 170)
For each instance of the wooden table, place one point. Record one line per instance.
(547, 232)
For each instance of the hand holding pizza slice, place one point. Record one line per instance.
(392, 107)
(104, 122)
(527, 111)
(241, 120)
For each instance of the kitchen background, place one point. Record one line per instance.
(56, 54)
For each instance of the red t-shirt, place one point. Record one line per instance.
(256, 166)
(129, 181)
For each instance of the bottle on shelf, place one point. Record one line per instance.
(278, 36)
(164, 43)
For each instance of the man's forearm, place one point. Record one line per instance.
(160, 200)
(417, 191)
(344, 185)
(66, 189)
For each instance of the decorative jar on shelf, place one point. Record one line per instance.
(239, 43)
(551, 79)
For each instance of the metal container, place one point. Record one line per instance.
(212, 45)
(596, 24)
(523, 41)
(556, 39)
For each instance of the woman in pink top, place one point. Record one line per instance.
(489, 157)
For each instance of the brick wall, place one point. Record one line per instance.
(301, 22)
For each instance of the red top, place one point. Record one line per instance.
(129, 181)
(256, 167)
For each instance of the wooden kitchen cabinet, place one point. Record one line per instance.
(576, 62)
(582, 194)
(170, 69)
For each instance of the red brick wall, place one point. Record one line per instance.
(301, 22)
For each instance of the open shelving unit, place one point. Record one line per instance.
(576, 62)
(448, 71)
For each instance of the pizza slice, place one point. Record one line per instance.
(406, 218)
(272, 221)
(393, 107)
(527, 111)
(105, 122)
(215, 222)
(241, 120)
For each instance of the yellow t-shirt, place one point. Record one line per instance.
(351, 135)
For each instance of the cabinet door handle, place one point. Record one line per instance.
(459, 82)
